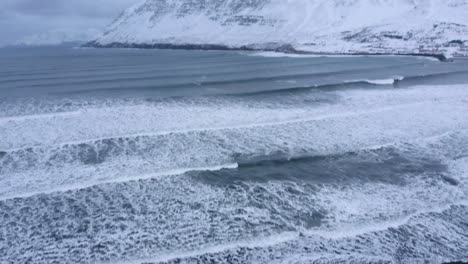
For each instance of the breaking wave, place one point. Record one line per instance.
(290, 163)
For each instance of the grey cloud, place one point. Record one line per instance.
(20, 18)
(61, 7)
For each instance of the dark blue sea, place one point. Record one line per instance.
(173, 156)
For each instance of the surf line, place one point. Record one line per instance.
(221, 128)
(285, 237)
(38, 116)
(156, 175)
(181, 171)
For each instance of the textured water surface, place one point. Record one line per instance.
(147, 156)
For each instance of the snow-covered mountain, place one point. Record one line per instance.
(58, 37)
(331, 26)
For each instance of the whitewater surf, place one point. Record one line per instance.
(173, 156)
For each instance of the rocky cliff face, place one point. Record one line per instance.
(331, 26)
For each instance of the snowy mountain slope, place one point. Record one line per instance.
(337, 26)
(58, 37)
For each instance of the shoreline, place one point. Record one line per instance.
(286, 48)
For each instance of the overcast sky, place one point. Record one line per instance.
(21, 18)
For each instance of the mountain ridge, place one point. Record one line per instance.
(302, 26)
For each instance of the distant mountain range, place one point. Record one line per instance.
(58, 37)
(320, 26)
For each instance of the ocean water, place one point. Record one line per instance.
(160, 156)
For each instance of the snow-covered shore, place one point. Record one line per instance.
(426, 27)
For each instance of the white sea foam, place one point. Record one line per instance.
(257, 242)
(388, 81)
(359, 209)
(273, 54)
(399, 78)
(376, 81)
(275, 240)
(356, 123)
(38, 116)
(235, 127)
(381, 81)
(125, 178)
(145, 120)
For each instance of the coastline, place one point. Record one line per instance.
(285, 48)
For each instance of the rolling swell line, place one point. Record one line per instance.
(428, 77)
(398, 81)
(185, 67)
(369, 83)
(112, 68)
(148, 76)
(321, 87)
(143, 71)
(208, 83)
(231, 81)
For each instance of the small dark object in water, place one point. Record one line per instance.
(449, 180)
